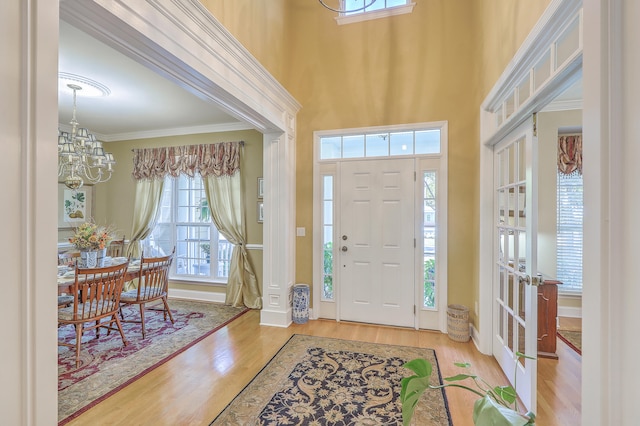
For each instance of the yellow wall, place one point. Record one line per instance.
(504, 25)
(115, 198)
(437, 63)
(405, 69)
(259, 25)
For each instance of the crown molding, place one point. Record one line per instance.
(173, 38)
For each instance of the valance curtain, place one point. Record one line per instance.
(570, 154)
(220, 159)
(219, 166)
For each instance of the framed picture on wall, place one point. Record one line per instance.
(260, 187)
(74, 205)
(260, 212)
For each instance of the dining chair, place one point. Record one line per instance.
(153, 283)
(96, 295)
(116, 248)
(69, 258)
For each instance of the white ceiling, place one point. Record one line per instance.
(141, 103)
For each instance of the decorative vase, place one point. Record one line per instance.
(300, 303)
(102, 253)
(88, 259)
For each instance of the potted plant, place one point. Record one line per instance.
(92, 241)
(206, 249)
(497, 405)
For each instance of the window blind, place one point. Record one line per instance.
(569, 232)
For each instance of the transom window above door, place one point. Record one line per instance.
(381, 144)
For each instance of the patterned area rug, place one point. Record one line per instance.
(107, 366)
(322, 381)
(573, 339)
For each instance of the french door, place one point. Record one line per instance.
(515, 325)
(376, 241)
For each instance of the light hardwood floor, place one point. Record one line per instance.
(193, 387)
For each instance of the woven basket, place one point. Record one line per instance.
(458, 323)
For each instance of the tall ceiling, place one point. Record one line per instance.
(141, 102)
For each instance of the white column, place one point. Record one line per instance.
(611, 176)
(28, 395)
(279, 228)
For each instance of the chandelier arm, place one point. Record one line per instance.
(83, 157)
(99, 177)
(344, 10)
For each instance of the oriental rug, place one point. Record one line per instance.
(573, 339)
(107, 366)
(323, 381)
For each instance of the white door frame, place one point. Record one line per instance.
(437, 163)
(557, 18)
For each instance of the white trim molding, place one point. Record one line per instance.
(556, 20)
(204, 296)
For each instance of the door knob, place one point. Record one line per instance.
(344, 238)
(344, 248)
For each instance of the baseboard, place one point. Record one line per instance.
(568, 311)
(205, 296)
(275, 318)
(474, 336)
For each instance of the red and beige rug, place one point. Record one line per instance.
(107, 366)
(323, 381)
(573, 339)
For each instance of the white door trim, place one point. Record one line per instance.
(329, 167)
(553, 22)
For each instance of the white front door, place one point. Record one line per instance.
(376, 241)
(515, 327)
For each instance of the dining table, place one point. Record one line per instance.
(67, 274)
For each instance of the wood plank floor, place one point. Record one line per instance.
(193, 387)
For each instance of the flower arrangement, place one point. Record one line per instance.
(90, 236)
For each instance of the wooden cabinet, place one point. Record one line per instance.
(547, 318)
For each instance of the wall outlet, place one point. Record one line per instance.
(301, 232)
(475, 308)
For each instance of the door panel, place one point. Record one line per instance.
(515, 325)
(377, 241)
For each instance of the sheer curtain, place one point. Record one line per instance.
(224, 195)
(219, 165)
(145, 213)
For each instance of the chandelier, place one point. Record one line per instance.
(81, 157)
(345, 3)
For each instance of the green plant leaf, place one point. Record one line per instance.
(420, 366)
(462, 364)
(486, 412)
(413, 387)
(507, 393)
(521, 355)
(459, 377)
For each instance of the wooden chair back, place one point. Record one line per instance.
(116, 248)
(69, 258)
(154, 277)
(96, 291)
(96, 295)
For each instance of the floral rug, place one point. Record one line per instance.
(107, 366)
(322, 381)
(573, 339)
